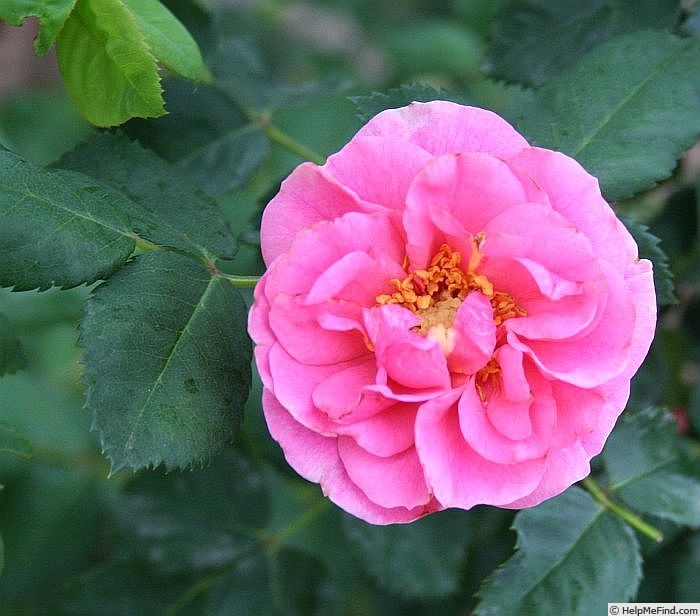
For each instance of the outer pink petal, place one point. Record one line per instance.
(475, 335)
(441, 127)
(308, 195)
(379, 170)
(395, 481)
(640, 282)
(458, 476)
(575, 194)
(564, 467)
(386, 433)
(316, 458)
(293, 384)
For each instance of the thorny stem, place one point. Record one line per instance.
(633, 520)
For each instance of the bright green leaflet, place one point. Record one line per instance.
(58, 228)
(166, 208)
(167, 362)
(168, 39)
(626, 111)
(535, 39)
(52, 15)
(14, 441)
(646, 470)
(572, 558)
(107, 67)
(11, 352)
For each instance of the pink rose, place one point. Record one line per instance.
(450, 317)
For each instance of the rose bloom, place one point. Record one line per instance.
(450, 317)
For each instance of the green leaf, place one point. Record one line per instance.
(650, 248)
(645, 468)
(167, 362)
(168, 39)
(688, 577)
(52, 15)
(626, 111)
(421, 559)
(207, 135)
(572, 558)
(167, 209)
(107, 66)
(58, 228)
(11, 352)
(370, 105)
(533, 40)
(14, 441)
(2, 555)
(195, 521)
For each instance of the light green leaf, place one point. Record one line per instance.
(168, 39)
(533, 40)
(58, 228)
(572, 558)
(649, 248)
(11, 352)
(166, 208)
(13, 441)
(643, 461)
(167, 362)
(107, 67)
(52, 15)
(626, 111)
(421, 559)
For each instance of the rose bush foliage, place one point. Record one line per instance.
(450, 317)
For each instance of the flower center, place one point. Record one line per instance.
(436, 293)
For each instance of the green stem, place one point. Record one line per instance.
(632, 519)
(275, 134)
(242, 282)
(144, 244)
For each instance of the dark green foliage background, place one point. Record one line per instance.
(138, 476)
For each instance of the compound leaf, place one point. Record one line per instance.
(168, 210)
(626, 111)
(646, 469)
(572, 557)
(533, 40)
(167, 362)
(58, 228)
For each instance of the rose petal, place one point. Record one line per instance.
(457, 475)
(395, 481)
(378, 170)
(442, 127)
(386, 433)
(316, 458)
(475, 335)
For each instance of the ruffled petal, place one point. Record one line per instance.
(378, 170)
(475, 337)
(457, 475)
(386, 433)
(442, 127)
(394, 481)
(316, 458)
